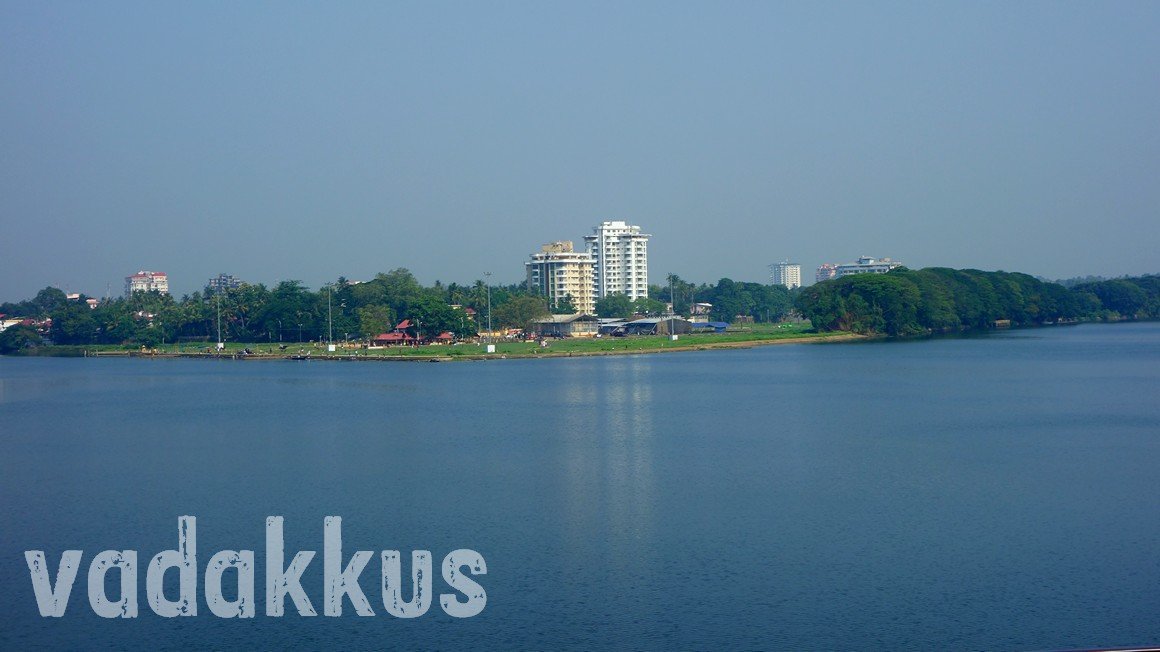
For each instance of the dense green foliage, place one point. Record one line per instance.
(617, 305)
(938, 299)
(730, 299)
(18, 338)
(289, 312)
(1126, 298)
(520, 312)
(903, 302)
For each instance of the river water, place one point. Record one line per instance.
(995, 492)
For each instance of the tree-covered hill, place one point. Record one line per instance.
(939, 299)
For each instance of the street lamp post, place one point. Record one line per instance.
(672, 308)
(329, 321)
(489, 331)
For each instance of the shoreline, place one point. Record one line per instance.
(474, 357)
(528, 350)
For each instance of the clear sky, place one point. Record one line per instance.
(314, 140)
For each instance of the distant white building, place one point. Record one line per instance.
(146, 281)
(557, 272)
(620, 260)
(826, 271)
(76, 296)
(867, 265)
(787, 274)
(223, 282)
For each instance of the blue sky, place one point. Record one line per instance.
(314, 140)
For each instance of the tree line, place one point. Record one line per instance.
(938, 299)
(290, 312)
(902, 302)
(728, 300)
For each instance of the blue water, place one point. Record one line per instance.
(997, 492)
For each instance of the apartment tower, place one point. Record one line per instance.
(787, 274)
(620, 260)
(557, 272)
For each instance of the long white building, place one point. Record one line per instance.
(557, 272)
(868, 265)
(620, 259)
(787, 274)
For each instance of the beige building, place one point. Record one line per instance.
(557, 272)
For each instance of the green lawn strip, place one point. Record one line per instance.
(750, 334)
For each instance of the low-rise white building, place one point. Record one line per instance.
(867, 265)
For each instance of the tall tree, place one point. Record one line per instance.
(519, 312)
(614, 305)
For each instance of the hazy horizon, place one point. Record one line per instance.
(277, 141)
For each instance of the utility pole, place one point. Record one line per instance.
(488, 275)
(672, 308)
(217, 298)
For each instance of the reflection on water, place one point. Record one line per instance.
(976, 493)
(608, 433)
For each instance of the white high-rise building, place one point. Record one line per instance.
(787, 274)
(146, 281)
(620, 255)
(557, 272)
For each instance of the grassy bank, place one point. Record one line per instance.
(751, 335)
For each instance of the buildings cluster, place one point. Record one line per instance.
(864, 265)
(790, 274)
(147, 281)
(614, 261)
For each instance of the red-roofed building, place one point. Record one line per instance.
(392, 339)
(396, 337)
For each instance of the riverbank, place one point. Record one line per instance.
(756, 335)
(478, 352)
